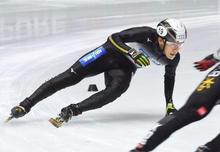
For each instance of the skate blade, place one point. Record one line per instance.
(56, 122)
(8, 119)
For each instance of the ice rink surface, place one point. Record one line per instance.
(40, 39)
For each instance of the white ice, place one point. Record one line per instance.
(40, 39)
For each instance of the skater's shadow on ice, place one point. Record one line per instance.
(92, 118)
(20, 122)
(116, 118)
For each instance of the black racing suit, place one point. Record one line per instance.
(112, 59)
(198, 106)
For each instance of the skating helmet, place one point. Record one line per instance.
(172, 30)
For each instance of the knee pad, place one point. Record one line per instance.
(202, 111)
(198, 113)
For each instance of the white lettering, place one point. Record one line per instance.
(214, 74)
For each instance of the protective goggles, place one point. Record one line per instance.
(175, 45)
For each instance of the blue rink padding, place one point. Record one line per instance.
(92, 56)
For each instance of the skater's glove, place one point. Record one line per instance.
(139, 58)
(170, 108)
(18, 111)
(205, 63)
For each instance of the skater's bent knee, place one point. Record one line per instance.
(117, 90)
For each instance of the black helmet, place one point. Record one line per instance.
(172, 30)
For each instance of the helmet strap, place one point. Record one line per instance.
(165, 42)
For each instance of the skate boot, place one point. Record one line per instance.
(170, 109)
(203, 148)
(19, 111)
(65, 115)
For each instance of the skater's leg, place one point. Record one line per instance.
(87, 65)
(117, 82)
(211, 146)
(68, 78)
(214, 144)
(92, 63)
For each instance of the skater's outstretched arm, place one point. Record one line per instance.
(169, 82)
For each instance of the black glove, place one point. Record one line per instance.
(69, 111)
(139, 58)
(18, 111)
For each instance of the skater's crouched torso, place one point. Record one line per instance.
(142, 39)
